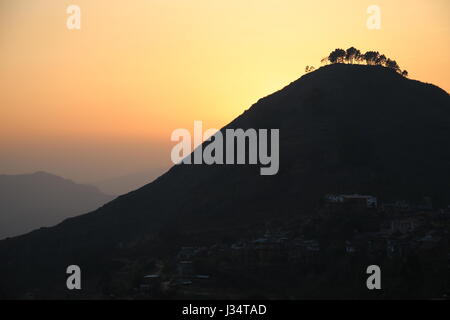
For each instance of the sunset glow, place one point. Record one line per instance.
(72, 101)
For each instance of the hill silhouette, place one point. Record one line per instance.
(30, 201)
(343, 128)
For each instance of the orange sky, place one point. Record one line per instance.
(102, 101)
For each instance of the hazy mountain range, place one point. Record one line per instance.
(343, 128)
(30, 201)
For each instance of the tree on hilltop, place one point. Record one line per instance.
(353, 55)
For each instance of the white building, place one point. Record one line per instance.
(341, 198)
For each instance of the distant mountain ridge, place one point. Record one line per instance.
(40, 199)
(343, 128)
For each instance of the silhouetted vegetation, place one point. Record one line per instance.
(372, 58)
(309, 69)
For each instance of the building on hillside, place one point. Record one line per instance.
(365, 201)
(405, 225)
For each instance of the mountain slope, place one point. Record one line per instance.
(31, 201)
(343, 128)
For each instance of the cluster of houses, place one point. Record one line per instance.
(403, 229)
(271, 249)
(406, 227)
(183, 276)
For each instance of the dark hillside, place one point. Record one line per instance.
(343, 128)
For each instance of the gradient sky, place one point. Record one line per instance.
(102, 101)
